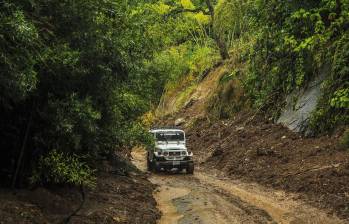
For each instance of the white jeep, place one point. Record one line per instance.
(170, 151)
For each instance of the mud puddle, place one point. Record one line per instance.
(165, 195)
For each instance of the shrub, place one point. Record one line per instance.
(60, 168)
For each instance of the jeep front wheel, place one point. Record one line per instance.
(149, 165)
(190, 168)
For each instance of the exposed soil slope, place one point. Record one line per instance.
(274, 156)
(116, 199)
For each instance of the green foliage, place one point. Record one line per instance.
(18, 76)
(333, 107)
(74, 76)
(183, 60)
(340, 99)
(79, 75)
(293, 42)
(236, 12)
(74, 124)
(60, 168)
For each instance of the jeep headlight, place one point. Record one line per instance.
(183, 153)
(190, 153)
(158, 152)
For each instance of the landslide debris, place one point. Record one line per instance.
(258, 150)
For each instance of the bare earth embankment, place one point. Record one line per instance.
(116, 199)
(275, 157)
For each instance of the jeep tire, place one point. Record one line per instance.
(156, 167)
(149, 165)
(190, 168)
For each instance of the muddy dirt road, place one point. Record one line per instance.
(210, 198)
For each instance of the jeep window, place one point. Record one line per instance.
(169, 136)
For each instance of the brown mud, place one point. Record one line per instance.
(210, 197)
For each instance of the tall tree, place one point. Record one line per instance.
(206, 7)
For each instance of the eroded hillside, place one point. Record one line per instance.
(250, 146)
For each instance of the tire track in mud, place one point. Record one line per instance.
(279, 205)
(207, 198)
(201, 203)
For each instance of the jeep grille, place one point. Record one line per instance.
(174, 153)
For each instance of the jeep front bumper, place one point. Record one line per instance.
(169, 164)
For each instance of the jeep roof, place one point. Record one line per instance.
(165, 129)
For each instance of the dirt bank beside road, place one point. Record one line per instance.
(117, 198)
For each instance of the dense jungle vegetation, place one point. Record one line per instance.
(78, 76)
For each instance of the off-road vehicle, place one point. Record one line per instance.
(170, 151)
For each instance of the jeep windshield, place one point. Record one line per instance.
(169, 136)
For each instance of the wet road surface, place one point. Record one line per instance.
(209, 198)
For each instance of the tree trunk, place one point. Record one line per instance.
(24, 143)
(222, 47)
(338, 7)
(217, 38)
(210, 9)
